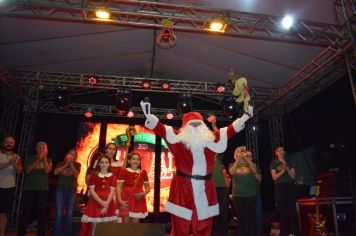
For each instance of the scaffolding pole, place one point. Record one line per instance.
(30, 115)
(276, 132)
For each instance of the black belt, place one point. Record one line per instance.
(197, 177)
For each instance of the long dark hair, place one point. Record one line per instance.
(129, 156)
(97, 168)
(107, 145)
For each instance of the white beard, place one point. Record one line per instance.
(195, 137)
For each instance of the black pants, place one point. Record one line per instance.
(220, 221)
(286, 205)
(34, 202)
(246, 215)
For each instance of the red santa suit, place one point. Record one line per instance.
(192, 199)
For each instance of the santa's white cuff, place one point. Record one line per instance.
(238, 125)
(151, 122)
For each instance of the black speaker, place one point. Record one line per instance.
(130, 229)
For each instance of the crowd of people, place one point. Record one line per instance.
(199, 194)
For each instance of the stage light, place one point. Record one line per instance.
(169, 116)
(287, 22)
(130, 114)
(165, 85)
(92, 80)
(184, 103)
(146, 84)
(230, 107)
(88, 113)
(123, 100)
(102, 14)
(254, 128)
(62, 98)
(217, 24)
(220, 88)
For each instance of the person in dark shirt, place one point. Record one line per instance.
(67, 172)
(283, 174)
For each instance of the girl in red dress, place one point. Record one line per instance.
(111, 151)
(133, 186)
(100, 207)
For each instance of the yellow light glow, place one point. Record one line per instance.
(216, 26)
(102, 14)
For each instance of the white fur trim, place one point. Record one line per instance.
(204, 211)
(171, 137)
(238, 125)
(86, 219)
(140, 215)
(151, 122)
(221, 145)
(180, 211)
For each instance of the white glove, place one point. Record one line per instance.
(239, 124)
(146, 108)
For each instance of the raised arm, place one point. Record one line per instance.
(239, 123)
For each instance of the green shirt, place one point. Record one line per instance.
(66, 179)
(218, 174)
(244, 182)
(37, 179)
(284, 178)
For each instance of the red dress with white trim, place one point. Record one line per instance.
(102, 184)
(133, 182)
(116, 168)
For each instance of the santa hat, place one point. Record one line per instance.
(191, 116)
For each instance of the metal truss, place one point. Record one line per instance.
(79, 82)
(344, 12)
(10, 109)
(276, 132)
(185, 17)
(252, 137)
(30, 114)
(352, 78)
(319, 73)
(105, 110)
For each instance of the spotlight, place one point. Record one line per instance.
(62, 98)
(92, 80)
(102, 14)
(88, 113)
(217, 24)
(184, 103)
(123, 100)
(287, 22)
(165, 85)
(220, 88)
(230, 107)
(169, 116)
(146, 84)
(130, 114)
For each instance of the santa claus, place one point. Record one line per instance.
(192, 199)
